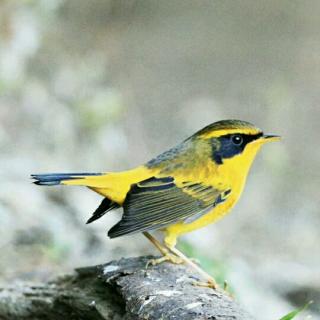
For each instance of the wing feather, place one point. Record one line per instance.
(158, 202)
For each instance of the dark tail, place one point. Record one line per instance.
(52, 179)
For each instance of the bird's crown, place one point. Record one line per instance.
(225, 127)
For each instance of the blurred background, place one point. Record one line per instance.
(106, 85)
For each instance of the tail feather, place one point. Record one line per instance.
(51, 179)
(105, 206)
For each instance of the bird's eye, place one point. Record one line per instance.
(237, 139)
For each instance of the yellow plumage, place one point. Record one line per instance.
(183, 189)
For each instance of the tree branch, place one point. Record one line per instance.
(121, 289)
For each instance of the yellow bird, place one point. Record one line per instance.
(181, 190)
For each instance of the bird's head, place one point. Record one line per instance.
(234, 142)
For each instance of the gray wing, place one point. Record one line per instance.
(158, 202)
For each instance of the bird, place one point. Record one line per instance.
(185, 188)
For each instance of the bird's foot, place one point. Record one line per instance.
(167, 257)
(211, 283)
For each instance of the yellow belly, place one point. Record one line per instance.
(226, 177)
(176, 230)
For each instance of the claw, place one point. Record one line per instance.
(209, 284)
(167, 257)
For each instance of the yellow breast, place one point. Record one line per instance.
(231, 175)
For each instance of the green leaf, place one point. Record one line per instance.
(294, 313)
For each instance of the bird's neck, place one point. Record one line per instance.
(235, 170)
